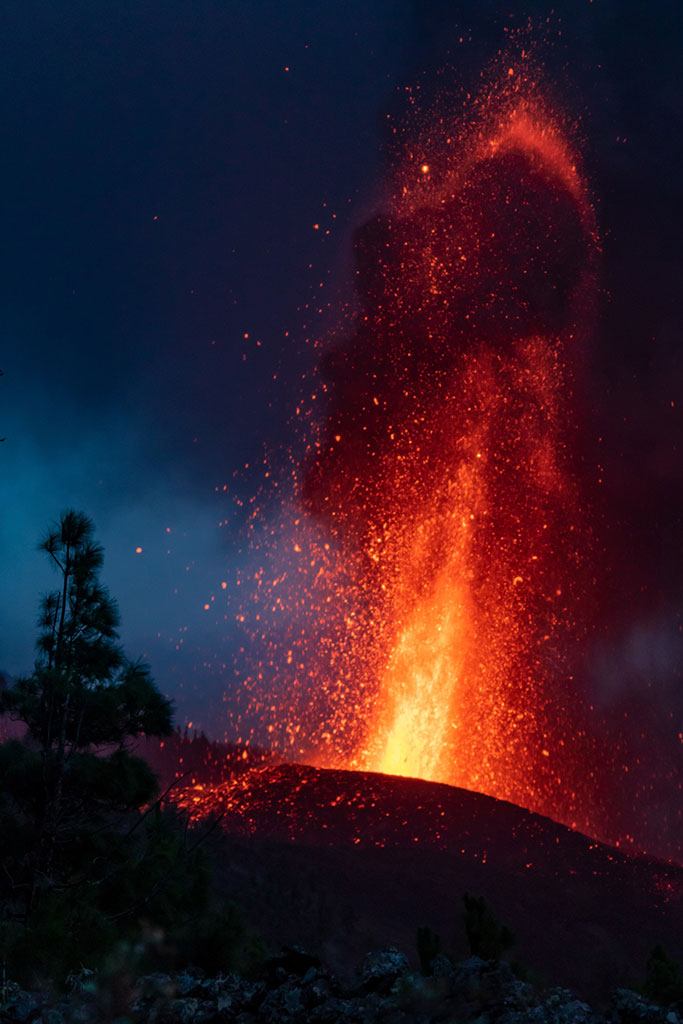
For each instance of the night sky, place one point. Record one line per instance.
(164, 167)
(180, 187)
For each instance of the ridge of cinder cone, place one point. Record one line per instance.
(343, 861)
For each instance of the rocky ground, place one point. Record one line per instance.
(297, 989)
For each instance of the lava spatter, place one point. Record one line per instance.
(446, 473)
(423, 598)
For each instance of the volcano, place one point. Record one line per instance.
(348, 861)
(440, 576)
(435, 609)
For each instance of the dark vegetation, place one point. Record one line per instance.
(428, 948)
(185, 758)
(663, 978)
(91, 856)
(487, 938)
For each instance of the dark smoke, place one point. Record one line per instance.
(522, 232)
(631, 433)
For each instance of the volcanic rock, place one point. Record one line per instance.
(23, 1006)
(291, 960)
(442, 966)
(381, 970)
(631, 1008)
(562, 1007)
(474, 992)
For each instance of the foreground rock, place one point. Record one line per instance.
(297, 989)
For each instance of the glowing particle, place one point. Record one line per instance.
(224, 585)
(206, 607)
(470, 523)
(138, 551)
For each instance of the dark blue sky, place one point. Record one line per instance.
(163, 166)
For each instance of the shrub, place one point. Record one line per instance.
(663, 977)
(428, 948)
(487, 938)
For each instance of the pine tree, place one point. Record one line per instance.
(66, 787)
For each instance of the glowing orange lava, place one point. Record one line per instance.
(474, 640)
(423, 620)
(446, 475)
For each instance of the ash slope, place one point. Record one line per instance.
(343, 862)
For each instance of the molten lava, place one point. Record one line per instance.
(435, 586)
(460, 695)
(445, 472)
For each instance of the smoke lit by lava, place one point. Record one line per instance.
(432, 606)
(445, 467)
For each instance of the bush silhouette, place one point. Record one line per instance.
(428, 948)
(487, 938)
(663, 977)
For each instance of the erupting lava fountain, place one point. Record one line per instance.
(440, 576)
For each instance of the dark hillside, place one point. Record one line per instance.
(344, 862)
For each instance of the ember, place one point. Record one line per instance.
(434, 582)
(446, 468)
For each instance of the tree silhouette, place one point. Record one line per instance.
(64, 788)
(88, 857)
